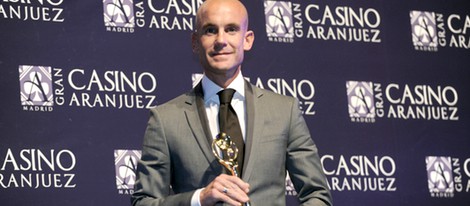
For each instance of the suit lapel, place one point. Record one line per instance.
(197, 121)
(254, 127)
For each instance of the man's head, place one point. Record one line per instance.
(221, 37)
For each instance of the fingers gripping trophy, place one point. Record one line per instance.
(226, 151)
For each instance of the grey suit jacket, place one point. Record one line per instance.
(177, 158)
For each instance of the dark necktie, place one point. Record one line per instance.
(228, 123)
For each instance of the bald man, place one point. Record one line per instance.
(177, 165)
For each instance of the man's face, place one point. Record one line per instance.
(222, 37)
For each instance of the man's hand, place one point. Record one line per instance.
(225, 188)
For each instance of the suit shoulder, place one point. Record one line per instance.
(272, 95)
(175, 103)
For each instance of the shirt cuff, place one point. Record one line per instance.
(195, 201)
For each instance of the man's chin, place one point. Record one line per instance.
(222, 70)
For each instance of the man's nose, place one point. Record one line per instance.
(221, 40)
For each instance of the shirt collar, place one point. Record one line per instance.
(210, 88)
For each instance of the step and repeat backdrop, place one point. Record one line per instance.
(383, 85)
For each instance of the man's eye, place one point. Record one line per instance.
(210, 31)
(231, 29)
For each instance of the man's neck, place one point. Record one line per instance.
(224, 80)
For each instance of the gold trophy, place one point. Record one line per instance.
(226, 152)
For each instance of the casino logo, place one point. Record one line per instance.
(36, 87)
(36, 11)
(125, 162)
(279, 21)
(125, 16)
(31, 168)
(311, 21)
(431, 30)
(360, 101)
(119, 15)
(440, 179)
(369, 101)
(360, 173)
(423, 30)
(447, 177)
(43, 88)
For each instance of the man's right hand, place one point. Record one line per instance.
(225, 188)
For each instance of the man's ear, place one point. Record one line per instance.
(249, 39)
(194, 42)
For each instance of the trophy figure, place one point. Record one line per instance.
(226, 152)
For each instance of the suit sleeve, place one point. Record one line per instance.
(303, 163)
(153, 175)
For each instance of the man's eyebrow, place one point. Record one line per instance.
(207, 25)
(233, 25)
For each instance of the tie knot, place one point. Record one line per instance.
(226, 95)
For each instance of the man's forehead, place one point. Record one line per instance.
(214, 5)
(226, 11)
